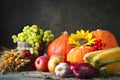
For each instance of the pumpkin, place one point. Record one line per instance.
(59, 45)
(76, 54)
(107, 38)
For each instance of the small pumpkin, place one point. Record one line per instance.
(76, 54)
(107, 38)
(59, 45)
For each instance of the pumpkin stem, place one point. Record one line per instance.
(65, 33)
(98, 29)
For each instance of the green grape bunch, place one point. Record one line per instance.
(34, 36)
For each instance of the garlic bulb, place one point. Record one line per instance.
(62, 69)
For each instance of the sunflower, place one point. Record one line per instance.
(81, 38)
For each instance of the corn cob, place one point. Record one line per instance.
(107, 56)
(110, 68)
(89, 56)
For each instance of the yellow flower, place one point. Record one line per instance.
(81, 38)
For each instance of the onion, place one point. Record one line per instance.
(83, 70)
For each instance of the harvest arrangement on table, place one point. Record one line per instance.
(82, 54)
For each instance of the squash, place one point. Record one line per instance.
(107, 38)
(76, 54)
(59, 45)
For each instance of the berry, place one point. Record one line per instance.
(27, 54)
(98, 45)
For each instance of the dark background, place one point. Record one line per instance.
(58, 15)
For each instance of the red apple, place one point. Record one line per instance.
(41, 63)
(54, 60)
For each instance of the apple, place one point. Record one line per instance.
(54, 60)
(41, 63)
(58, 55)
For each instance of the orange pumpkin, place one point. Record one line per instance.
(59, 45)
(76, 54)
(107, 38)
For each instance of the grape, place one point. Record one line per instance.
(33, 27)
(41, 31)
(39, 37)
(28, 32)
(37, 44)
(47, 32)
(35, 30)
(26, 28)
(36, 52)
(36, 48)
(48, 36)
(44, 39)
(35, 36)
(14, 37)
(31, 50)
(31, 41)
(21, 39)
(36, 39)
(51, 37)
